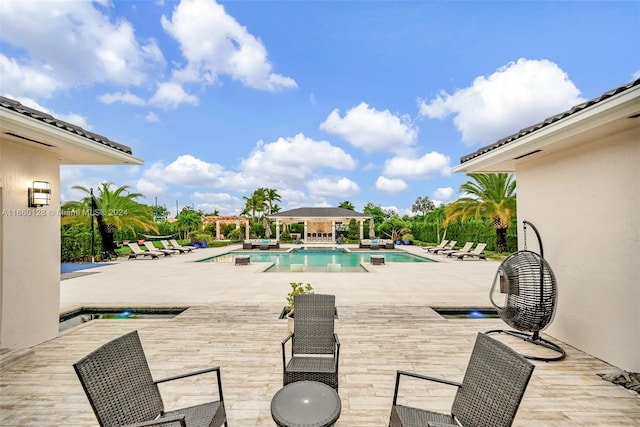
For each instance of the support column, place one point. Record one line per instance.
(361, 229)
(277, 230)
(304, 237)
(217, 230)
(333, 231)
(246, 230)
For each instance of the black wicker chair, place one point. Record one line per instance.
(489, 395)
(118, 383)
(315, 348)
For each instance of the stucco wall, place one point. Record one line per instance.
(586, 204)
(30, 277)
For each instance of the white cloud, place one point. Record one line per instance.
(517, 95)
(25, 80)
(185, 170)
(389, 185)
(340, 188)
(372, 130)
(73, 43)
(442, 195)
(295, 158)
(151, 117)
(428, 166)
(214, 43)
(636, 75)
(171, 95)
(223, 202)
(123, 97)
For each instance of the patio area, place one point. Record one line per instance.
(385, 323)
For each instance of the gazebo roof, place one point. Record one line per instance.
(319, 213)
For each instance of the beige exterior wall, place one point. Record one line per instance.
(585, 202)
(30, 248)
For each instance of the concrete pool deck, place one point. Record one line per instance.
(385, 323)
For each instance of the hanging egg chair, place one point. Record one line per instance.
(530, 295)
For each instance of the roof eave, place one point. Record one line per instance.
(71, 148)
(507, 157)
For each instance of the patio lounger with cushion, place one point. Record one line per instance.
(446, 247)
(176, 245)
(467, 246)
(489, 395)
(152, 248)
(315, 348)
(168, 247)
(136, 252)
(441, 245)
(475, 253)
(118, 383)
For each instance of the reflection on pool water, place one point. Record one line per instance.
(318, 259)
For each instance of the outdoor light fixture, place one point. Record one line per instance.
(39, 194)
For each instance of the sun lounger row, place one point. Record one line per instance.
(446, 247)
(153, 252)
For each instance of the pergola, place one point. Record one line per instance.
(227, 220)
(319, 223)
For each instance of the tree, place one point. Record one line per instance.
(347, 205)
(490, 196)
(188, 220)
(271, 195)
(160, 213)
(118, 210)
(422, 205)
(255, 203)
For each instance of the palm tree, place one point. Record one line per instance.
(492, 196)
(255, 203)
(271, 195)
(347, 205)
(188, 220)
(118, 210)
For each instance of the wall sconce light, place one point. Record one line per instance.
(39, 194)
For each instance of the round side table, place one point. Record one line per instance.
(306, 404)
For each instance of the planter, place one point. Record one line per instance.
(398, 242)
(407, 242)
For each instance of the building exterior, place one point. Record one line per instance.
(578, 177)
(33, 145)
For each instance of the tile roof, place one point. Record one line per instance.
(319, 213)
(16, 106)
(548, 121)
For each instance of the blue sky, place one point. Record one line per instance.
(325, 101)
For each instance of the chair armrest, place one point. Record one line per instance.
(420, 377)
(173, 421)
(336, 347)
(200, 372)
(284, 352)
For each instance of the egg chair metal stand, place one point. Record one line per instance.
(530, 295)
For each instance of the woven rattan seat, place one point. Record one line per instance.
(489, 395)
(118, 383)
(315, 348)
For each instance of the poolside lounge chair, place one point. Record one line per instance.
(168, 247)
(440, 245)
(177, 245)
(152, 248)
(315, 348)
(136, 252)
(475, 253)
(467, 246)
(446, 247)
(489, 395)
(118, 383)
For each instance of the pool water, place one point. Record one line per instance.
(317, 259)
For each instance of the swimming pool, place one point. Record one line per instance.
(318, 259)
